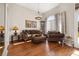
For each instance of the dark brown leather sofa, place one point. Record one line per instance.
(32, 31)
(34, 35)
(56, 36)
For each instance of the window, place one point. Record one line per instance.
(50, 25)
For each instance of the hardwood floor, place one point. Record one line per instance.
(1, 50)
(42, 49)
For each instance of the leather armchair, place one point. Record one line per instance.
(56, 36)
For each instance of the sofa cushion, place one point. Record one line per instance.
(36, 35)
(32, 31)
(53, 32)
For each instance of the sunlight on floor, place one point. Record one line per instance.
(75, 53)
(29, 41)
(18, 43)
(48, 49)
(1, 47)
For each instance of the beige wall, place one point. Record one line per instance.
(18, 14)
(2, 14)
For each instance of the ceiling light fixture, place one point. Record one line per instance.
(38, 17)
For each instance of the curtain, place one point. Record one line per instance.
(57, 16)
(61, 22)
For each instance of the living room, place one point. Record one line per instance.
(24, 25)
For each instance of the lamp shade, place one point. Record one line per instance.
(14, 28)
(1, 27)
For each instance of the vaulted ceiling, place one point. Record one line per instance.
(43, 7)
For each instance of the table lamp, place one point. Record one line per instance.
(1, 29)
(15, 28)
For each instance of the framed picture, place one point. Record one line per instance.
(30, 24)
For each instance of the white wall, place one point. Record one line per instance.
(2, 14)
(69, 9)
(18, 14)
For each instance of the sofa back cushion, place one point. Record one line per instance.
(53, 32)
(56, 35)
(36, 35)
(32, 31)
